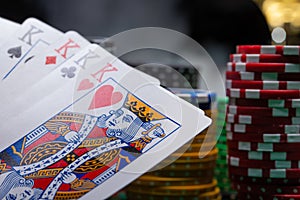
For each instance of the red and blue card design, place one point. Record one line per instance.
(74, 152)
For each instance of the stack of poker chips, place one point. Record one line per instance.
(221, 170)
(263, 117)
(183, 175)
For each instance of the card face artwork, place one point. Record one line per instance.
(79, 122)
(73, 153)
(32, 34)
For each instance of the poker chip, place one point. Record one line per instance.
(263, 67)
(257, 146)
(268, 138)
(222, 101)
(264, 58)
(250, 119)
(221, 170)
(206, 138)
(195, 155)
(186, 190)
(252, 195)
(269, 49)
(262, 94)
(269, 173)
(263, 121)
(287, 196)
(263, 85)
(200, 98)
(258, 129)
(221, 159)
(222, 140)
(266, 189)
(222, 162)
(200, 136)
(263, 164)
(150, 197)
(205, 174)
(191, 159)
(154, 181)
(270, 103)
(263, 111)
(188, 173)
(203, 135)
(190, 166)
(210, 195)
(262, 76)
(221, 128)
(260, 155)
(265, 181)
(222, 147)
(195, 147)
(221, 173)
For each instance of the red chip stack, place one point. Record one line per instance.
(263, 121)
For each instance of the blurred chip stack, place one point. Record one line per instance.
(221, 170)
(263, 117)
(183, 175)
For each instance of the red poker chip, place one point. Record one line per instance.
(254, 195)
(287, 196)
(269, 49)
(259, 155)
(263, 85)
(270, 138)
(262, 164)
(258, 129)
(262, 146)
(262, 94)
(261, 120)
(262, 76)
(268, 173)
(265, 189)
(264, 58)
(263, 111)
(271, 103)
(264, 67)
(266, 181)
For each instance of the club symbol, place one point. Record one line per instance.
(15, 52)
(68, 72)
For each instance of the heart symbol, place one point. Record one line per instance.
(15, 52)
(85, 84)
(105, 96)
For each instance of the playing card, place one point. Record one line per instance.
(8, 28)
(32, 34)
(107, 136)
(83, 71)
(42, 64)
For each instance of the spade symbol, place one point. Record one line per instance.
(15, 52)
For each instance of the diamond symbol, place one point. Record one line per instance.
(50, 60)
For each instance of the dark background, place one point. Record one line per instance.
(232, 22)
(218, 25)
